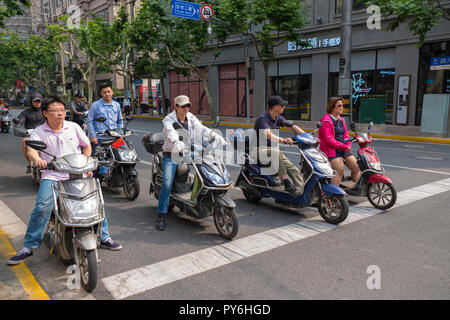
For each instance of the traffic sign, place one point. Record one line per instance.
(206, 11)
(184, 9)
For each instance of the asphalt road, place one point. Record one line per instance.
(408, 243)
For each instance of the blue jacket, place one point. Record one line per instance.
(111, 112)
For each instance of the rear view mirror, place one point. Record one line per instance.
(287, 123)
(36, 145)
(129, 118)
(15, 121)
(318, 124)
(20, 131)
(353, 127)
(370, 125)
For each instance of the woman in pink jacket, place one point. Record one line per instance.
(332, 135)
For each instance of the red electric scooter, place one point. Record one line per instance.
(372, 182)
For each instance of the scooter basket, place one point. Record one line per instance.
(153, 142)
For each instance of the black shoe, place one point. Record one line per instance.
(28, 169)
(161, 222)
(288, 186)
(355, 191)
(19, 257)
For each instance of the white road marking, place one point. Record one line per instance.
(145, 278)
(15, 230)
(416, 169)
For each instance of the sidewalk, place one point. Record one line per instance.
(380, 131)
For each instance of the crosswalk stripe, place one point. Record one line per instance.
(145, 278)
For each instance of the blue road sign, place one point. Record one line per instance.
(184, 9)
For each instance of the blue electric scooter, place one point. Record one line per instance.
(256, 183)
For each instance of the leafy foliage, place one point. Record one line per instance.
(420, 15)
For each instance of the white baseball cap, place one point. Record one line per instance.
(182, 100)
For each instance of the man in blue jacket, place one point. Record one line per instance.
(104, 107)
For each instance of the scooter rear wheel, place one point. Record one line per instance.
(226, 221)
(333, 209)
(382, 195)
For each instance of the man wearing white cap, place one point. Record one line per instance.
(173, 146)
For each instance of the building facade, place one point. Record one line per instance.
(386, 66)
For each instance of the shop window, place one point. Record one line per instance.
(232, 99)
(357, 5)
(297, 91)
(431, 81)
(191, 87)
(368, 83)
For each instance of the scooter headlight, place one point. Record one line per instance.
(375, 166)
(127, 155)
(83, 209)
(212, 176)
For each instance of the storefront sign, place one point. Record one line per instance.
(440, 63)
(315, 43)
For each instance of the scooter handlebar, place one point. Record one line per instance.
(49, 167)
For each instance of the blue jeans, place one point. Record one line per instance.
(169, 168)
(41, 215)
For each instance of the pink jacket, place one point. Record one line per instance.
(328, 144)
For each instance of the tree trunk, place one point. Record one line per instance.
(212, 110)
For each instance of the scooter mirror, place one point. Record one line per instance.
(370, 125)
(100, 119)
(287, 123)
(20, 131)
(353, 126)
(318, 124)
(15, 121)
(36, 145)
(129, 118)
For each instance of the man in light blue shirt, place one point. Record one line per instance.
(105, 107)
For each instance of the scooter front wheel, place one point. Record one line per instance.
(382, 195)
(88, 269)
(226, 221)
(333, 209)
(131, 187)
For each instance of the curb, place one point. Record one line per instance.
(380, 136)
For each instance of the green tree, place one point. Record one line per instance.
(420, 15)
(30, 60)
(266, 23)
(80, 44)
(181, 42)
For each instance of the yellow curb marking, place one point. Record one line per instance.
(23, 274)
(381, 136)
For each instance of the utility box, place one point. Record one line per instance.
(435, 114)
(372, 109)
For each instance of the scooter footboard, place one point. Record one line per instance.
(329, 189)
